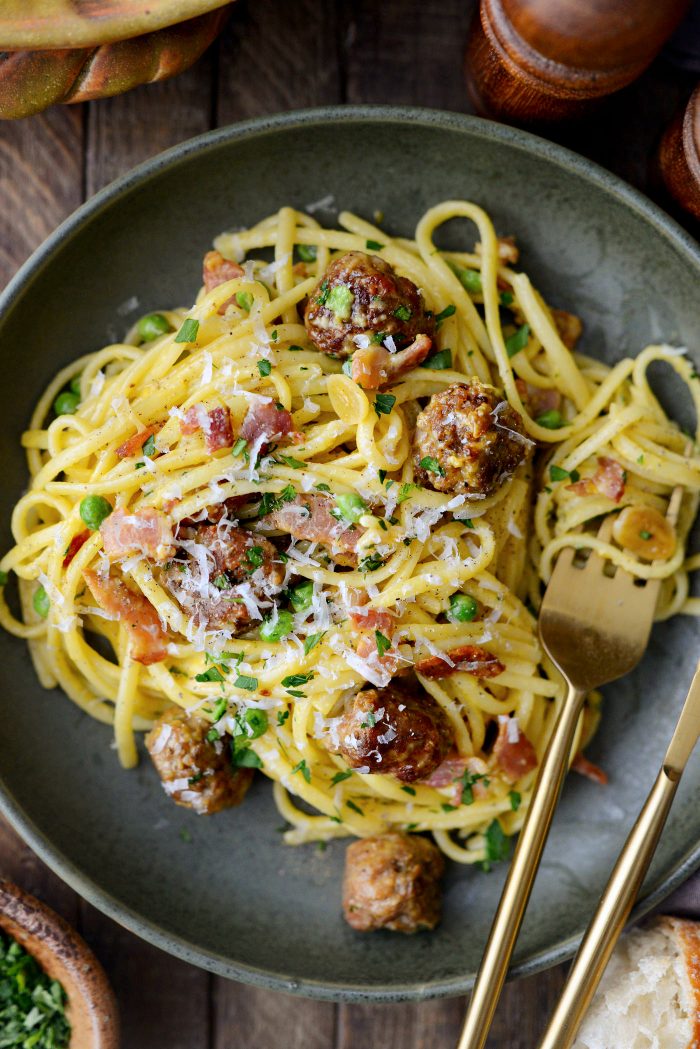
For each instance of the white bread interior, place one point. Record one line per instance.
(649, 996)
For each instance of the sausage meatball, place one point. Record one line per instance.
(195, 773)
(392, 882)
(468, 440)
(216, 569)
(360, 294)
(394, 731)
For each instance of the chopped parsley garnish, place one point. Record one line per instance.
(383, 403)
(292, 680)
(371, 563)
(194, 779)
(447, 312)
(403, 313)
(274, 334)
(340, 300)
(405, 492)
(289, 460)
(32, 1005)
(370, 720)
(644, 534)
(409, 790)
(468, 779)
(212, 674)
(240, 445)
(558, 473)
(497, 845)
(383, 643)
(4, 576)
(432, 466)
(254, 555)
(381, 474)
(324, 292)
(221, 582)
(340, 776)
(322, 487)
(551, 420)
(515, 800)
(247, 727)
(518, 340)
(220, 709)
(354, 807)
(373, 245)
(264, 367)
(295, 349)
(439, 361)
(149, 446)
(185, 836)
(248, 683)
(282, 716)
(506, 298)
(246, 759)
(188, 331)
(245, 300)
(311, 641)
(306, 252)
(302, 767)
(446, 807)
(41, 603)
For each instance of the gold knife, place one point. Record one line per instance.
(625, 881)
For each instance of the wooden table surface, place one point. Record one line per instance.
(277, 55)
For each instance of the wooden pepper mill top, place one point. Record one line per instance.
(679, 156)
(541, 60)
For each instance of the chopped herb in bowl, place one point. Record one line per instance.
(32, 1005)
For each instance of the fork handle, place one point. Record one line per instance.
(526, 860)
(612, 913)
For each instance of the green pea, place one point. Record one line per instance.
(66, 403)
(270, 631)
(301, 595)
(152, 326)
(41, 602)
(75, 384)
(552, 419)
(4, 576)
(244, 300)
(351, 506)
(93, 510)
(463, 608)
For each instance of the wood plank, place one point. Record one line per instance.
(250, 1018)
(125, 130)
(40, 180)
(277, 56)
(407, 52)
(19, 864)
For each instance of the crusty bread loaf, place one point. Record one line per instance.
(649, 997)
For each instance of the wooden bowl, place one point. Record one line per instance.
(64, 955)
(154, 45)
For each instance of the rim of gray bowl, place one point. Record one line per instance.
(525, 141)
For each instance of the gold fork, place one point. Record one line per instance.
(594, 625)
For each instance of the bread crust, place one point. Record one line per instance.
(687, 935)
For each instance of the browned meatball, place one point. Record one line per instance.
(392, 882)
(195, 773)
(360, 294)
(395, 731)
(216, 568)
(468, 440)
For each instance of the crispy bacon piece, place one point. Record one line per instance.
(467, 659)
(608, 480)
(76, 542)
(373, 619)
(453, 768)
(309, 517)
(587, 768)
(265, 418)
(373, 366)
(513, 751)
(569, 326)
(508, 251)
(538, 400)
(217, 270)
(215, 423)
(147, 639)
(143, 532)
(133, 445)
(366, 649)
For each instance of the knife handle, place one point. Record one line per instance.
(612, 913)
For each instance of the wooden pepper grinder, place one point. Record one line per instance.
(545, 60)
(679, 156)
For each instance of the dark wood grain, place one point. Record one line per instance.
(277, 55)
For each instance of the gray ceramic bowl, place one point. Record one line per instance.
(224, 892)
